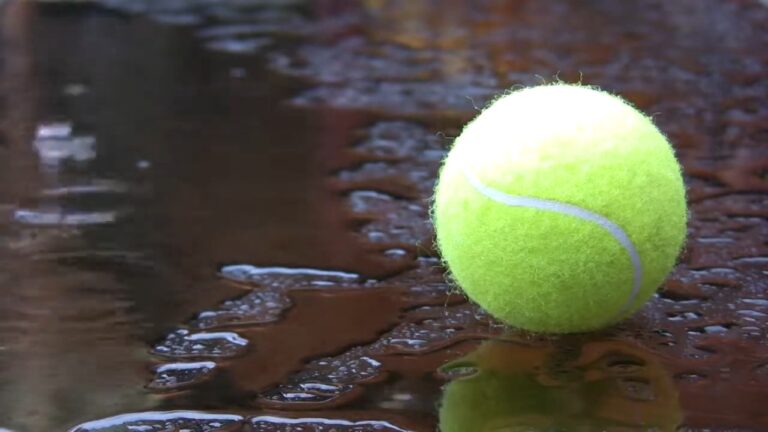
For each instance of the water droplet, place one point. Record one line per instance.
(759, 302)
(157, 421)
(691, 377)
(75, 89)
(183, 344)
(683, 316)
(143, 164)
(173, 376)
(94, 186)
(54, 130)
(48, 218)
(278, 424)
(238, 46)
(56, 143)
(752, 313)
(287, 277)
(256, 307)
(176, 18)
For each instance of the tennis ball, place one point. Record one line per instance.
(560, 208)
(609, 385)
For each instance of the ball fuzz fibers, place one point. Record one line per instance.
(560, 208)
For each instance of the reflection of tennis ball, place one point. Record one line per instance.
(612, 385)
(492, 402)
(560, 208)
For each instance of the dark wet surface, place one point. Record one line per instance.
(214, 216)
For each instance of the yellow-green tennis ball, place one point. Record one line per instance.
(560, 208)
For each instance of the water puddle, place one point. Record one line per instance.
(214, 216)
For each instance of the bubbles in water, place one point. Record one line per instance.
(159, 421)
(341, 376)
(711, 329)
(413, 174)
(390, 77)
(458, 97)
(257, 307)
(355, 59)
(325, 380)
(400, 140)
(184, 344)
(277, 424)
(288, 277)
(684, 316)
(391, 220)
(173, 376)
(403, 159)
(446, 326)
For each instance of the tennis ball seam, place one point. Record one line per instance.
(616, 231)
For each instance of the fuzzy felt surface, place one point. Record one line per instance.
(545, 271)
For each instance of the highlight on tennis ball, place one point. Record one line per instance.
(560, 208)
(606, 385)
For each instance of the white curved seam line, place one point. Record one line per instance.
(571, 210)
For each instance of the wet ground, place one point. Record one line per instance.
(214, 217)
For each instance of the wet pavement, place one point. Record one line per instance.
(214, 217)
